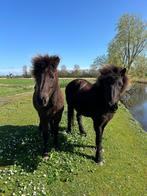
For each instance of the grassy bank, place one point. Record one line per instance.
(71, 170)
(138, 79)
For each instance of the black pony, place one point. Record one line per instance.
(98, 101)
(47, 98)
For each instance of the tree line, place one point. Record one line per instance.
(63, 72)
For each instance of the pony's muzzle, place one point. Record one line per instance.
(113, 106)
(42, 101)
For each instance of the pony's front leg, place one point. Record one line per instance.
(99, 131)
(81, 129)
(44, 125)
(40, 124)
(54, 130)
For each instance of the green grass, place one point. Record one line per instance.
(17, 81)
(14, 86)
(71, 170)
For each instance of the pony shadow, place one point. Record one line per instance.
(66, 146)
(22, 145)
(85, 146)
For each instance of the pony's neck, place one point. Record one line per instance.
(98, 91)
(97, 87)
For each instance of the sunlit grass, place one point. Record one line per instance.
(16, 86)
(71, 170)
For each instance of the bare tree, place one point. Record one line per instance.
(63, 71)
(24, 71)
(129, 42)
(76, 70)
(140, 66)
(99, 61)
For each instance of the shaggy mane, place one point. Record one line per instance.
(41, 62)
(110, 69)
(114, 71)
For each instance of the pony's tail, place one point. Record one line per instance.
(70, 116)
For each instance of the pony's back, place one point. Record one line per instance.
(74, 87)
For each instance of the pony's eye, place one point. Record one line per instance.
(110, 80)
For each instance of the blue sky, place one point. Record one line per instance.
(76, 30)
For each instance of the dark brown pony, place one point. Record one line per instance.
(98, 101)
(47, 98)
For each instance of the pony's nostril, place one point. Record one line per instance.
(111, 104)
(113, 107)
(44, 101)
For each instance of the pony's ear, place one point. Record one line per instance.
(123, 71)
(54, 61)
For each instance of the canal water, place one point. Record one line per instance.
(136, 101)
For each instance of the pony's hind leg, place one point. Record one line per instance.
(81, 129)
(70, 115)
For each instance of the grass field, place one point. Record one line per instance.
(10, 87)
(71, 170)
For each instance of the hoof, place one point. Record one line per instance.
(45, 156)
(99, 160)
(100, 163)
